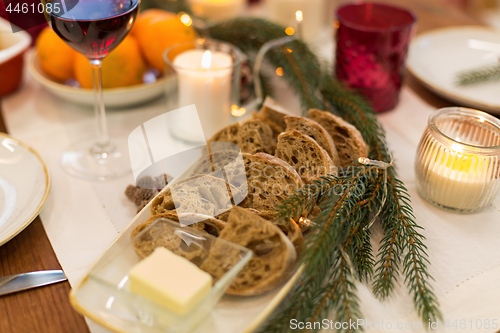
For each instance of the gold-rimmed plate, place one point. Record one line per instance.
(24, 186)
(436, 57)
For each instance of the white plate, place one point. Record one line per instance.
(115, 97)
(24, 186)
(435, 57)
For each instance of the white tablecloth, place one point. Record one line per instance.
(82, 218)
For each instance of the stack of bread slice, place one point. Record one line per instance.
(232, 194)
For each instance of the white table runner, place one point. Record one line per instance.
(82, 218)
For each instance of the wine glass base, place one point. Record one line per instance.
(91, 161)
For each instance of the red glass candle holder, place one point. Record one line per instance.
(372, 43)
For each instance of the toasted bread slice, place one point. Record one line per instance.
(270, 181)
(228, 160)
(201, 194)
(317, 132)
(348, 140)
(273, 115)
(147, 236)
(252, 136)
(205, 223)
(294, 234)
(273, 257)
(305, 155)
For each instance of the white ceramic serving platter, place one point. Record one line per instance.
(24, 186)
(232, 314)
(115, 97)
(435, 57)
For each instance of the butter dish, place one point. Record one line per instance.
(105, 294)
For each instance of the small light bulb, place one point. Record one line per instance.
(299, 16)
(237, 112)
(186, 20)
(289, 31)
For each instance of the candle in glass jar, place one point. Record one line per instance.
(217, 10)
(204, 79)
(457, 165)
(456, 179)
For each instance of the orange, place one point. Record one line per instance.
(146, 17)
(55, 56)
(158, 30)
(122, 67)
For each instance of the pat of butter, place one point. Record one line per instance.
(170, 280)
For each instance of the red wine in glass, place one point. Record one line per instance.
(95, 27)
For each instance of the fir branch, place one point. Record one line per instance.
(323, 265)
(344, 217)
(479, 75)
(416, 259)
(339, 294)
(362, 254)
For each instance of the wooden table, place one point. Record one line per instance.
(47, 309)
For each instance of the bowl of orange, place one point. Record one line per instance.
(131, 73)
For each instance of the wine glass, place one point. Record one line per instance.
(94, 28)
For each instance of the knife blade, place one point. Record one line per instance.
(18, 282)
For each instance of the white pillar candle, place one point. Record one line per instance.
(456, 179)
(204, 79)
(313, 12)
(217, 10)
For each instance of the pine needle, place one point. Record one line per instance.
(479, 75)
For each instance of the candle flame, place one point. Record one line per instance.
(299, 16)
(206, 60)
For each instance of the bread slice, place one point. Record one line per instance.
(348, 140)
(154, 233)
(202, 222)
(270, 181)
(252, 136)
(273, 115)
(317, 132)
(201, 194)
(228, 160)
(214, 161)
(225, 216)
(294, 234)
(304, 155)
(273, 257)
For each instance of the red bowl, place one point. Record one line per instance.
(12, 48)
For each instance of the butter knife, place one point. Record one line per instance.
(18, 282)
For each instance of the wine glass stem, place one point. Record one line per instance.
(102, 144)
